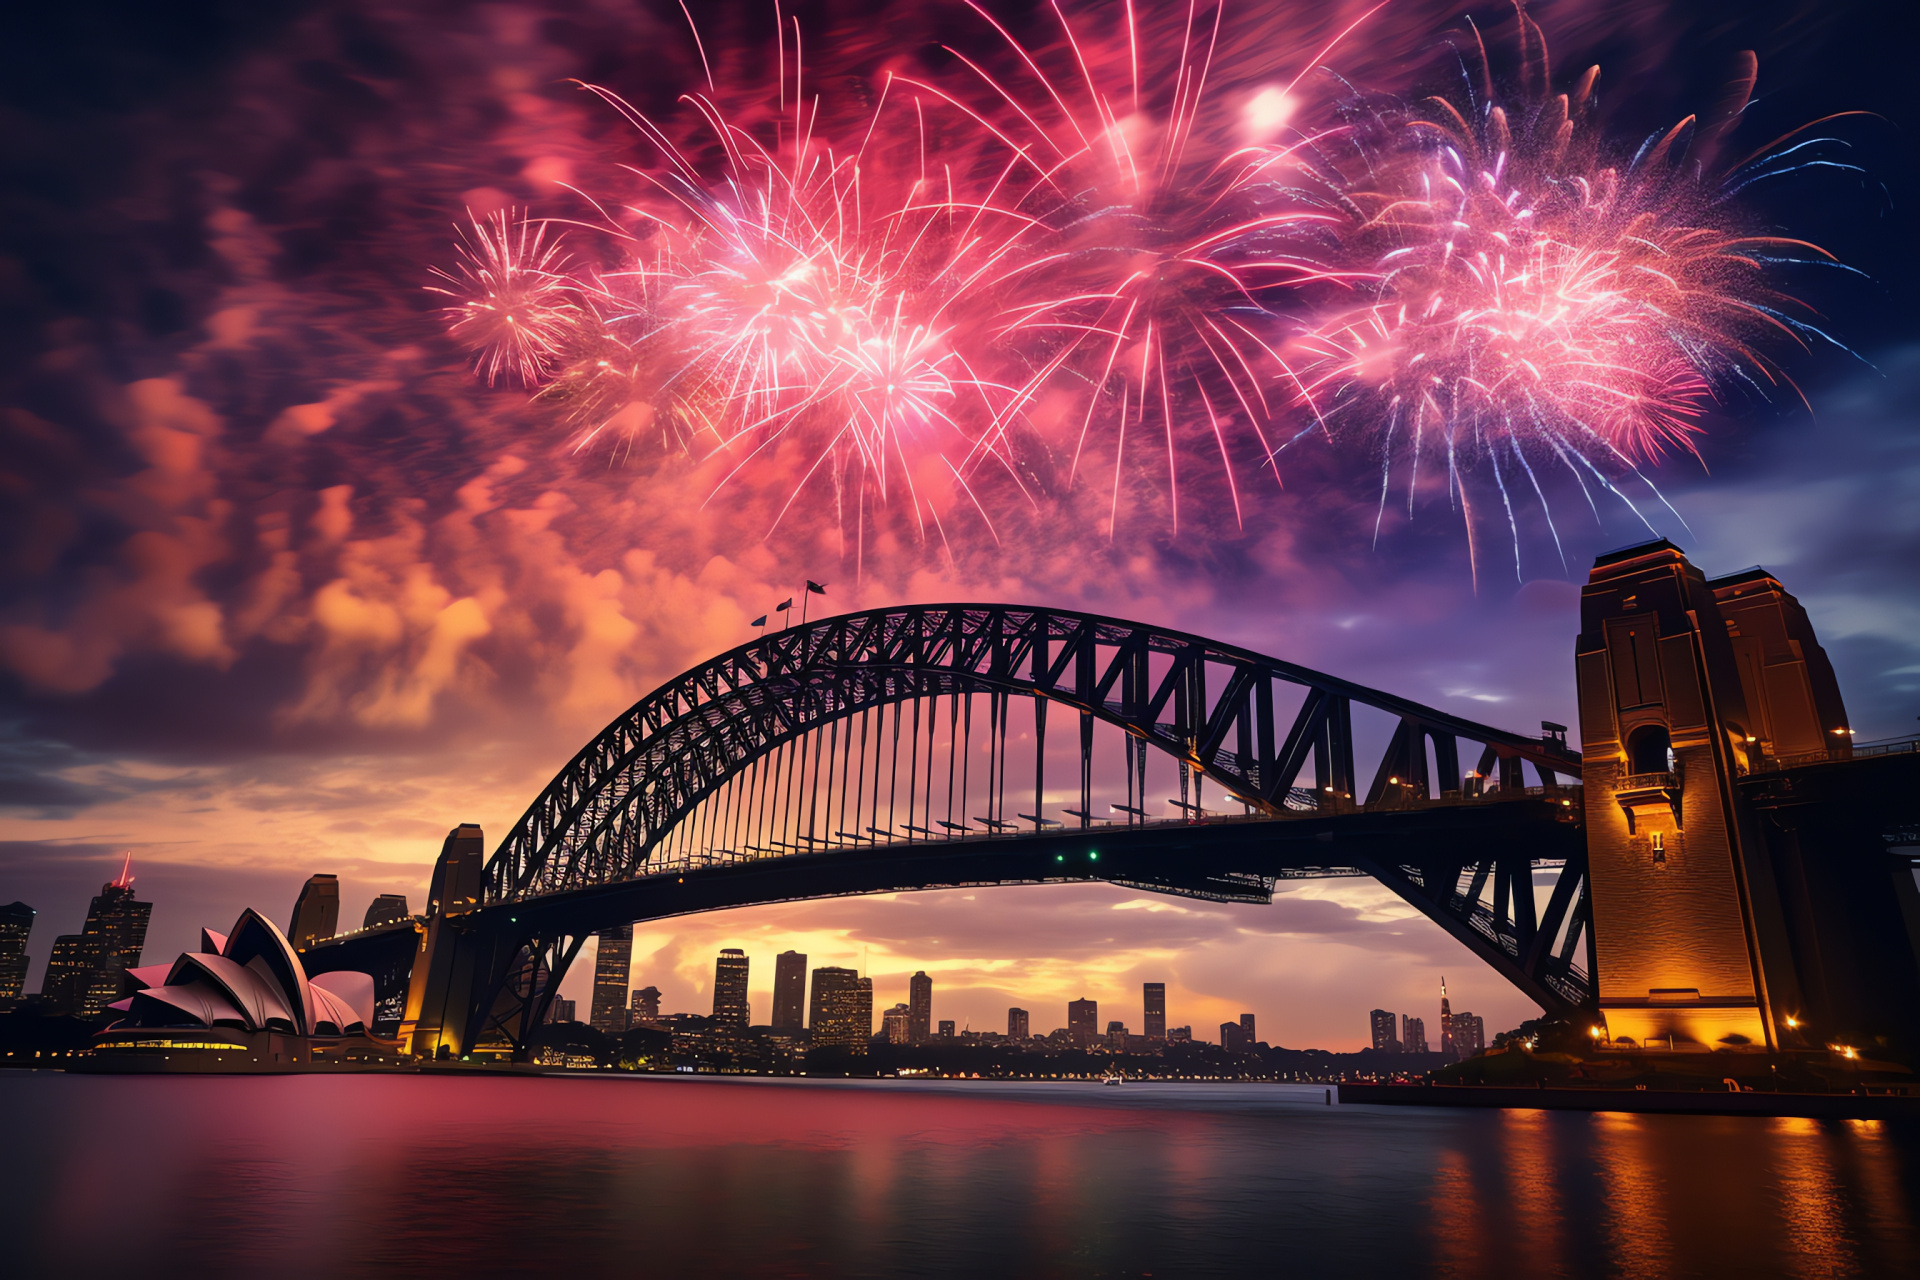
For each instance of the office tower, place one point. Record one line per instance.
(1385, 1025)
(1179, 1035)
(1246, 1026)
(840, 1009)
(1469, 1034)
(1446, 1022)
(946, 1029)
(86, 970)
(1083, 1022)
(1233, 1037)
(645, 1008)
(1154, 995)
(388, 908)
(316, 912)
(730, 988)
(560, 1010)
(1017, 1025)
(16, 922)
(612, 962)
(894, 1023)
(789, 991)
(456, 876)
(1413, 1035)
(1116, 1035)
(919, 1007)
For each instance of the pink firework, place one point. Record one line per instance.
(1536, 300)
(515, 302)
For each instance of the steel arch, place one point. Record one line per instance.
(600, 818)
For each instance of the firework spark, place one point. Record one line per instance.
(517, 306)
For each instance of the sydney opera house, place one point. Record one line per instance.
(242, 1002)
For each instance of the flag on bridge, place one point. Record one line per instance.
(818, 588)
(760, 621)
(783, 606)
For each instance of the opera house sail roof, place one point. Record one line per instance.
(234, 990)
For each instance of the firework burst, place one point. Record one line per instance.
(516, 304)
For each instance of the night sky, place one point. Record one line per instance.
(285, 588)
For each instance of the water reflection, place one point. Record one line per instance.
(377, 1175)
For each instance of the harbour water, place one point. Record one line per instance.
(294, 1176)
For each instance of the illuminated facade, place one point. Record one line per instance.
(919, 1008)
(893, 1024)
(841, 1010)
(1018, 1025)
(612, 962)
(1446, 1021)
(16, 924)
(789, 991)
(645, 1008)
(87, 970)
(1154, 999)
(730, 988)
(1413, 1034)
(1385, 1028)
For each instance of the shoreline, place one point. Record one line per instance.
(1819, 1106)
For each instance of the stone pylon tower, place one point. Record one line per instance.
(1689, 937)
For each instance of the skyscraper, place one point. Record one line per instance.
(560, 1009)
(894, 1023)
(1385, 1027)
(730, 988)
(1413, 1034)
(1083, 1022)
(840, 1009)
(1446, 1021)
(789, 991)
(645, 1007)
(612, 963)
(16, 922)
(86, 969)
(1154, 995)
(1116, 1035)
(316, 912)
(1017, 1025)
(1246, 1028)
(919, 1007)
(388, 908)
(1469, 1034)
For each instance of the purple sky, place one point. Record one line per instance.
(286, 590)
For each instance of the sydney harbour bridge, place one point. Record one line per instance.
(1725, 868)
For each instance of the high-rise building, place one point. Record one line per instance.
(1179, 1035)
(316, 912)
(388, 908)
(1017, 1025)
(789, 991)
(86, 970)
(1233, 1038)
(730, 988)
(612, 963)
(16, 922)
(456, 875)
(1246, 1027)
(1083, 1022)
(894, 1024)
(1116, 1035)
(645, 1008)
(1413, 1034)
(560, 1009)
(1154, 995)
(1446, 1022)
(1385, 1030)
(840, 1009)
(946, 1029)
(919, 1007)
(1469, 1034)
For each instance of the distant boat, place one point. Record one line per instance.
(1113, 1076)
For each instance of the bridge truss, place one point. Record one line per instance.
(887, 735)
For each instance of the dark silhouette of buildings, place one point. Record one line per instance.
(645, 1008)
(946, 1029)
(1246, 1027)
(16, 923)
(87, 969)
(919, 1008)
(841, 1012)
(1386, 1028)
(1154, 996)
(1018, 1025)
(893, 1024)
(1446, 1021)
(388, 908)
(612, 962)
(1179, 1035)
(1233, 1038)
(1083, 1022)
(1116, 1035)
(789, 991)
(730, 988)
(316, 912)
(560, 1010)
(1413, 1034)
(1469, 1034)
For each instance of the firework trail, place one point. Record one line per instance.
(1538, 301)
(516, 303)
